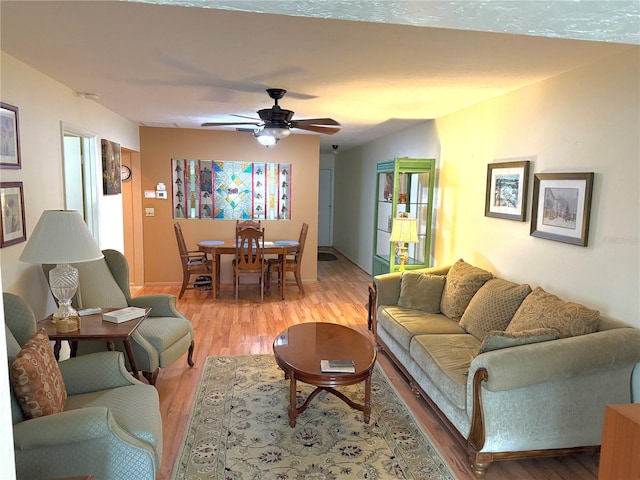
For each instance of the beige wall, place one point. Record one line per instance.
(160, 145)
(586, 120)
(44, 106)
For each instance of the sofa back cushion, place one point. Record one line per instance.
(462, 283)
(421, 291)
(545, 310)
(493, 307)
(497, 340)
(36, 379)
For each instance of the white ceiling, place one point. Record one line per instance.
(400, 63)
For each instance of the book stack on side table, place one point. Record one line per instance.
(337, 366)
(124, 314)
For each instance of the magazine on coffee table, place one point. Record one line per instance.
(337, 366)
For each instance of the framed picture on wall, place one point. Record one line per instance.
(111, 168)
(562, 206)
(506, 194)
(9, 137)
(12, 203)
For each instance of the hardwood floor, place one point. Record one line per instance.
(339, 296)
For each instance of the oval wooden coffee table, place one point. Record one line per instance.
(299, 349)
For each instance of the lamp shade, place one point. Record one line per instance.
(404, 230)
(61, 236)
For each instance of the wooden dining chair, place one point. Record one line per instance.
(248, 224)
(249, 260)
(193, 262)
(292, 263)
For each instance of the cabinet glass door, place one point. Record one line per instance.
(385, 215)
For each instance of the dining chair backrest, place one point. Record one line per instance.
(249, 249)
(240, 225)
(182, 247)
(302, 240)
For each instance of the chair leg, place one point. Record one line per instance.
(296, 273)
(151, 376)
(185, 282)
(190, 355)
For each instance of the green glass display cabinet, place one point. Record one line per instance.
(404, 187)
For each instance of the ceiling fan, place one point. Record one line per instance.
(275, 122)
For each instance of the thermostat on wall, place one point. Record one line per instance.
(161, 194)
(149, 194)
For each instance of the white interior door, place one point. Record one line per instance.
(325, 209)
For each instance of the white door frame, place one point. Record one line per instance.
(91, 177)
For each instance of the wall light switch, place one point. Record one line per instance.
(149, 212)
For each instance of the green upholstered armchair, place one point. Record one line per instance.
(163, 337)
(110, 428)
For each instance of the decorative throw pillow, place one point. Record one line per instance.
(421, 291)
(544, 310)
(496, 340)
(36, 378)
(462, 283)
(493, 307)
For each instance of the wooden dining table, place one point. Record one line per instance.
(216, 248)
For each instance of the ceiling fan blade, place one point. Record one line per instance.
(317, 128)
(314, 121)
(244, 116)
(223, 124)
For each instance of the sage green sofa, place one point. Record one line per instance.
(110, 427)
(513, 372)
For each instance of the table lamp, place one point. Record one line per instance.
(403, 231)
(62, 237)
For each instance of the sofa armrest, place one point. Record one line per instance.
(95, 372)
(161, 304)
(64, 444)
(538, 363)
(81, 425)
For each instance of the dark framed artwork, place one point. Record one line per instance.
(12, 203)
(561, 207)
(507, 186)
(111, 168)
(9, 137)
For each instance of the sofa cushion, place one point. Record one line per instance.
(493, 307)
(496, 340)
(36, 379)
(404, 323)
(462, 283)
(421, 291)
(545, 310)
(446, 359)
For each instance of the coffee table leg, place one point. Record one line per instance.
(367, 399)
(293, 410)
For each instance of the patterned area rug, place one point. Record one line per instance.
(238, 429)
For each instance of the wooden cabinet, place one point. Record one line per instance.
(403, 185)
(620, 452)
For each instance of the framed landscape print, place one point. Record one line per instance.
(561, 207)
(12, 203)
(9, 137)
(506, 195)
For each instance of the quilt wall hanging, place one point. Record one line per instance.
(227, 190)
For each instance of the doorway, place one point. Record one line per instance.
(325, 208)
(79, 168)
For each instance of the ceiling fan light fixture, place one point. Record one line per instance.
(269, 136)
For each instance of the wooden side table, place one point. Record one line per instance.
(620, 452)
(92, 327)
